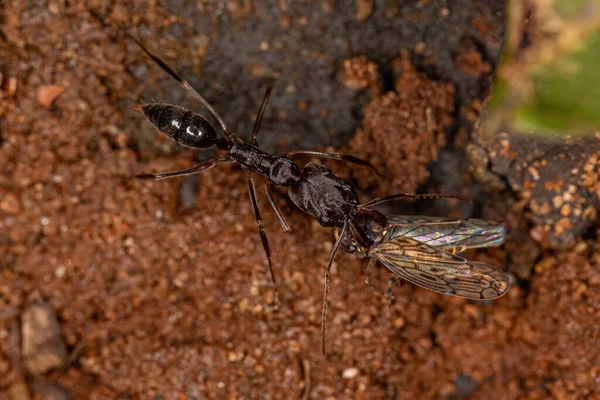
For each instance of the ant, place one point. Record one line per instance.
(330, 199)
(316, 189)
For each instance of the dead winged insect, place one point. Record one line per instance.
(360, 228)
(423, 251)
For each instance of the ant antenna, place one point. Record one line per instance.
(397, 196)
(261, 230)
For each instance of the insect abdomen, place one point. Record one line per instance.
(187, 128)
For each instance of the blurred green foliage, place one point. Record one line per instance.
(552, 84)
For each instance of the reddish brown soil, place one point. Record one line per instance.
(160, 289)
(406, 128)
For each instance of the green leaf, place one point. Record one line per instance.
(553, 84)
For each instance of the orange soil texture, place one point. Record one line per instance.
(112, 287)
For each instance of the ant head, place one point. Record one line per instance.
(284, 172)
(330, 199)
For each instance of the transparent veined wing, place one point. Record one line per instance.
(446, 233)
(437, 270)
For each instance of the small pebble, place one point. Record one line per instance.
(10, 204)
(47, 94)
(399, 322)
(41, 346)
(60, 271)
(350, 373)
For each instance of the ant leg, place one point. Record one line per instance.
(259, 116)
(336, 246)
(268, 190)
(413, 196)
(335, 156)
(185, 85)
(261, 230)
(190, 171)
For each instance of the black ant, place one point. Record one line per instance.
(330, 199)
(316, 189)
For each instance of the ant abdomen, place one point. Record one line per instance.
(185, 127)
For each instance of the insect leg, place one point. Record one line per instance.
(268, 190)
(413, 196)
(372, 263)
(336, 246)
(335, 156)
(388, 292)
(259, 116)
(261, 230)
(190, 171)
(185, 85)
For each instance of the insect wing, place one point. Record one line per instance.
(442, 272)
(446, 233)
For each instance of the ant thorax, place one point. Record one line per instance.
(279, 170)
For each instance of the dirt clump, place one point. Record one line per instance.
(42, 346)
(554, 178)
(359, 73)
(403, 130)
